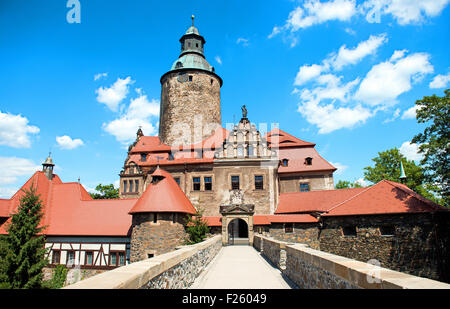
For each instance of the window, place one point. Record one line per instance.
(89, 258)
(240, 151)
(349, 230)
(196, 181)
(288, 227)
(190, 78)
(251, 151)
(177, 180)
(387, 230)
(136, 185)
(143, 157)
(304, 187)
(212, 81)
(131, 186)
(208, 183)
(196, 44)
(56, 256)
(117, 258)
(70, 259)
(125, 186)
(259, 182)
(235, 182)
(285, 162)
(150, 255)
(174, 218)
(308, 161)
(170, 156)
(155, 218)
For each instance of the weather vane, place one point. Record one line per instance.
(192, 20)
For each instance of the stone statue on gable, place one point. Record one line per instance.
(244, 111)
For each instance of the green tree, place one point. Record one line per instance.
(106, 192)
(434, 142)
(345, 184)
(387, 166)
(23, 249)
(196, 228)
(58, 278)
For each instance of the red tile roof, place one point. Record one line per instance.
(296, 161)
(69, 209)
(213, 220)
(292, 219)
(305, 202)
(261, 220)
(163, 196)
(281, 139)
(385, 197)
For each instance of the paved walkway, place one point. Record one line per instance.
(240, 267)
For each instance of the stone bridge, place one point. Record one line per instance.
(269, 264)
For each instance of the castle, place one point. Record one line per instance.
(243, 181)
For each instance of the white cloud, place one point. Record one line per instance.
(340, 167)
(307, 73)
(100, 75)
(218, 59)
(15, 131)
(12, 167)
(242, 41)
(113, 95)
(405, 11)
(362, 182)
(394, 116)
(7, 192)
(440, 81)
(352, 56)
(66, 142)
(350, 31)
(410, 113)
(410, 151)
(139, 113)
(387, 80)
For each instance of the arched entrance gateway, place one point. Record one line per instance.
(237, 224)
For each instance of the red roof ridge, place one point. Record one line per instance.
(327, 190)
(350, 198)
(414, 194)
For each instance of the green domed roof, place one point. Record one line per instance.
(191, 61)
(192, 30)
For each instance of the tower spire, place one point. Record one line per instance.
(192, 17)
(47, 166)
(402, 174)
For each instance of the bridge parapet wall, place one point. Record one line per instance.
(314, 269)
(173, 270)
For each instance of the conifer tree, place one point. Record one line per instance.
(24, 250)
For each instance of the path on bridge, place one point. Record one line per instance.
(240, 267)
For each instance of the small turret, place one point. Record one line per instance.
(47, 167)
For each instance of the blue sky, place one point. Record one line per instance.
(343, 74)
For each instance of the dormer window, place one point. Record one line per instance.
(143, 157)
(308, 161)
(170, 156)
(285, 162)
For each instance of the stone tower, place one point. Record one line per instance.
(190, 95)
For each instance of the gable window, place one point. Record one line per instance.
(259, 182)
(131, 186)
(349, 230)
(143, 157)
(170, 156)
(251, 151)
(177, 180)
(235, 182)
(308, 161)
(56, 256)
(89, 258)
(136, 185)
(387, 230)
(304, 187)
(285, 162)
(196, 183)
(208, 183)
(70, 259)
(240, 151)
(125, 185)
(288, 227)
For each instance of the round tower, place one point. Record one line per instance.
(190, 95)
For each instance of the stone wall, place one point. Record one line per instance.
(419, 245)
(302, 233)
(314, 269)
(316, 181)
(176, 269)
(155, 238)
(188, 107)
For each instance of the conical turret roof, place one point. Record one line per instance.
(164, 195)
